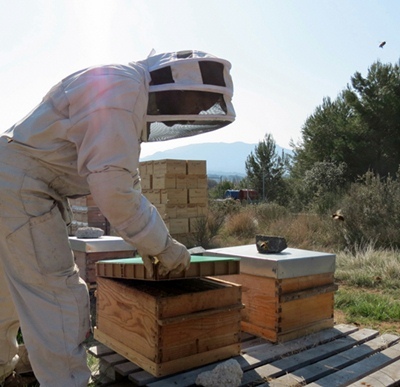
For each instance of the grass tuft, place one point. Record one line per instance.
(369, 307)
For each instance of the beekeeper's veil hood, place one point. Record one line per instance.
(190, 92)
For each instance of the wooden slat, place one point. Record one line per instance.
(359, 370)
(107, 365)
(127, 368)
(184, 379)
(388, 376)
(288, 364)
(320, 369)
(143, 378)
(264, 354)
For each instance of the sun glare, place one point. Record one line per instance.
(93, 20)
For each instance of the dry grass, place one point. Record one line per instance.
(303, 231)
(241, 225)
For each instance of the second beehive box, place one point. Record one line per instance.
(287, 295)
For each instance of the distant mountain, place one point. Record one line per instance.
(222, 158)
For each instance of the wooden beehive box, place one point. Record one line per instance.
(286, 295)
(88, 251)
(169, 326)
(169, 166)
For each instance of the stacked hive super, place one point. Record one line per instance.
(178, 189)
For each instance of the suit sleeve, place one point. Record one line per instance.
(106, 135)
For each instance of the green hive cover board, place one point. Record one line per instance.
(200, 266)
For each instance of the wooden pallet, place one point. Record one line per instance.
(340, 356)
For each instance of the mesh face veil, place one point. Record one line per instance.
(190, 93)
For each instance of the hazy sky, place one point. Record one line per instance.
(286, 55)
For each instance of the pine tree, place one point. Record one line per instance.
(265, 170)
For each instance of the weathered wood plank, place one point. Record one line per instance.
(127, 368)
(289, 364)
(184, 379)
(107, 365)
(101, 380)
(388, 376)
(320, 369)
(359, 370)
(262, 354)
(143, 378)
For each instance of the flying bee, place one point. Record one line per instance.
(338, 216)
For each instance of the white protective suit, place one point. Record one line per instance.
(83, 138)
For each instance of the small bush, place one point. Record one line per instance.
(241, 225)
(208, 227)
(372, 212)
(205, 229)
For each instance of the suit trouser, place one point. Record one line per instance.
(40, 288)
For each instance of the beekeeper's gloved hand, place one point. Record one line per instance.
(174, 259)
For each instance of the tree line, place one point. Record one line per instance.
(356, 133)
(349, 145)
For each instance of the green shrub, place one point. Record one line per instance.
(371, 209)
(205, 229)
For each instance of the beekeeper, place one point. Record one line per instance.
(84, 138)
